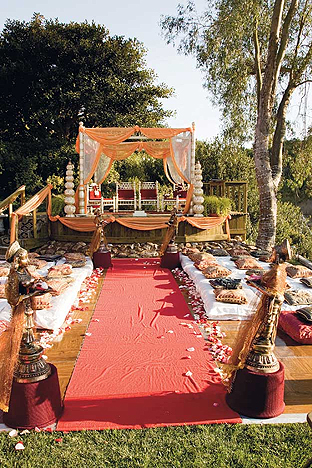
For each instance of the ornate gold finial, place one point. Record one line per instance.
(261, 357)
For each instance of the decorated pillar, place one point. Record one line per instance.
(198, 198)
(70, 207)
(192, 165)
(81, 191)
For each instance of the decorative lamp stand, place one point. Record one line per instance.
(171, 258)
(258, 387)
(101, 256)
(35, 396)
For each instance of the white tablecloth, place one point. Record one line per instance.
(221, 311)
(54, 317)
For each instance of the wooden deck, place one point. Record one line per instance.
(296, 358)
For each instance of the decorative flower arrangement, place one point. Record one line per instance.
(212, 330)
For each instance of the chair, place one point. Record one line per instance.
(94, 197)
(148, 194)
(125, 195)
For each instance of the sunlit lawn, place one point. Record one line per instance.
(283, 445)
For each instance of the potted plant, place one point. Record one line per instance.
(216, 206)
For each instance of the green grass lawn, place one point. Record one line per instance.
(283, 445)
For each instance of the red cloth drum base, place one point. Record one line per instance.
(257, 395)
(36, 404)
(170, 260)
(102, 260)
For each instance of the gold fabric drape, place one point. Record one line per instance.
(140, 224)
(28, 207)
(10, 341)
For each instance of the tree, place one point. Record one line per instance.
(296, 185)
(53, 75)
(254, 55)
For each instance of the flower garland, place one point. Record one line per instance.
(212, 331)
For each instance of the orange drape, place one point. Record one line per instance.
(115, 135)
(79, 224)
(188, 198)
(157, 149)
(163, 132)
(209, 222)
(119, 152)
(28, 207)
(106, 136)
(144, 224)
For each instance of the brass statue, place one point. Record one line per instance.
(168, 242)
(255, 343)
(261, 357)
(99, 241)
(20, 355)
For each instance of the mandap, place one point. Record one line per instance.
(100, 147)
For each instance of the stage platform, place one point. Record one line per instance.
(127, 228)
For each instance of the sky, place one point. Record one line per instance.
(140, 19)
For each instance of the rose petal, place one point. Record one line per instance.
(19, 446)
(188, 373)
(13, 433)
(190, 349)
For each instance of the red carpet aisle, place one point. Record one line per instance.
(143, 363)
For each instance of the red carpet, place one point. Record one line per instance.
(131, 372)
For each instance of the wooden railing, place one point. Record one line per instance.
(8, 202)
(235, 190)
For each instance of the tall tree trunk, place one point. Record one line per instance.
(279, 135)
(267, 194)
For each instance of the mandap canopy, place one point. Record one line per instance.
(100, 147)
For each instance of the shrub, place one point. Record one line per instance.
(58, 204)
(292, 225)
(216, 205)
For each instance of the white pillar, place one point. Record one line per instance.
(81, 193)
(192, 165)
(198, 198)
(69, 192)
